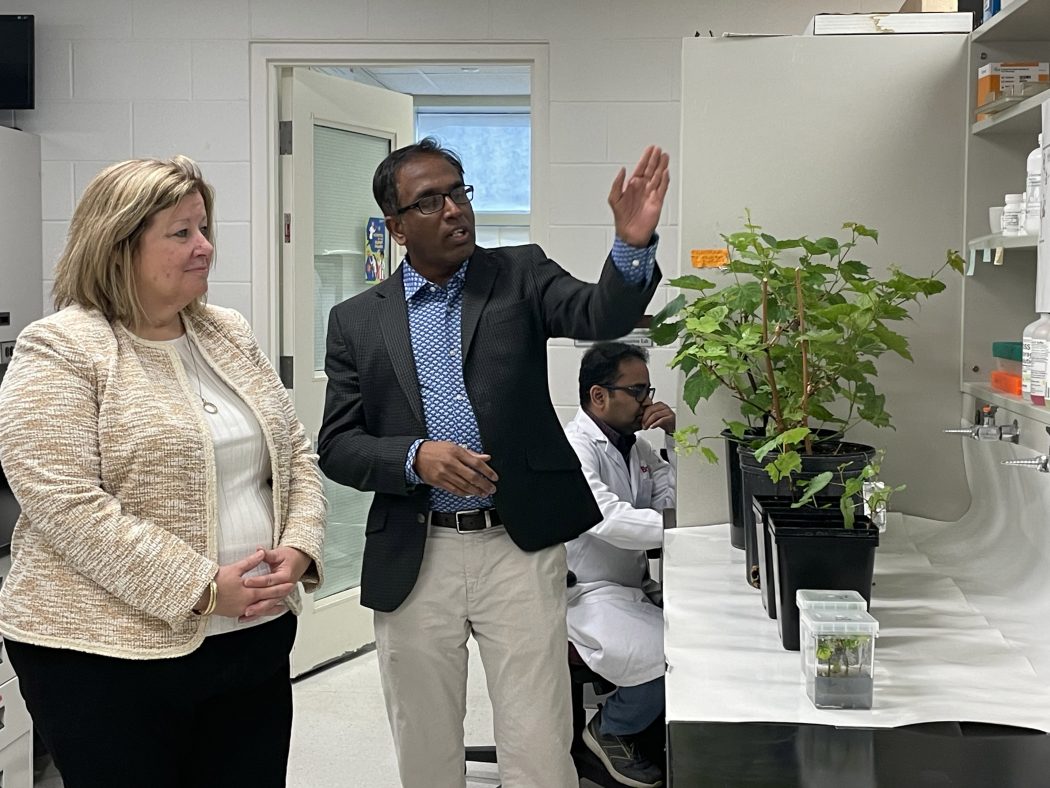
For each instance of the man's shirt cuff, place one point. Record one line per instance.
(411, 476)
(635, 263)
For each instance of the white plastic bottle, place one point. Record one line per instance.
(1033, 352)
(1013, 214)
(1026, 355)
(1040, 360)
(1033, 195)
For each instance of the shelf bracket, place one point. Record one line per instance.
(994, 255)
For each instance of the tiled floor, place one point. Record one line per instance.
(341, 739)
(340, 736)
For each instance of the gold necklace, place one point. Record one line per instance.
(209, 407)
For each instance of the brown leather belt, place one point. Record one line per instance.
(469, 520)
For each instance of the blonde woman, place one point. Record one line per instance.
(170, 503)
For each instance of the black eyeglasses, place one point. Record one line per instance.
(639, 391)
(433, 203)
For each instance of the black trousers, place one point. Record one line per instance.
(220, 717)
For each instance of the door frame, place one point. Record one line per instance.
(266, 60)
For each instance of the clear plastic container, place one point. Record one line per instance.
(1008, 365)
(838, 657)
(818, 599)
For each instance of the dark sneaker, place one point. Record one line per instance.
(621, 757)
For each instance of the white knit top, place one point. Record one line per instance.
(244, 500)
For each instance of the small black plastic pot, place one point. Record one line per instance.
(763, 506)
(821, 554)
(829, 455)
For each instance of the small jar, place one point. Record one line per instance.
(1013, 215)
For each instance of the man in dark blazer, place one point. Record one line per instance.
(438, 402)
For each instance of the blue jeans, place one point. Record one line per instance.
(630, 710)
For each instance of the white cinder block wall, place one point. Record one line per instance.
(123, 78)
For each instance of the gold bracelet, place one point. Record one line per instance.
(213, 594)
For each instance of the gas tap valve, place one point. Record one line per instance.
(988, 430)
(1040, 463)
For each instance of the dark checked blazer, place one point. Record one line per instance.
(514, 299)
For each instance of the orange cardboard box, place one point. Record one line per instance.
(995, 78)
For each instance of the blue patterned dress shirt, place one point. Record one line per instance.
(434, 320)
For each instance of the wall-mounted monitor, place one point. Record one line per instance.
(16, 61)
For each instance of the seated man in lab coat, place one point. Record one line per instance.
(615, 626)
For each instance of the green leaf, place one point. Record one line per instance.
(848, 509)
(764, 449)
(784, 465)
(814, 486)
(892, 340)
(709, 455)
(956, 262)
(691, 282)
(792, 436)
(665, 333)
(673, 307)
(684, 435)
(738, 428)
(780, 442)
(828, 244)
(699, 385)
(860, 229)
(853, 268)
(811, 247)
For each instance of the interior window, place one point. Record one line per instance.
(495, 145)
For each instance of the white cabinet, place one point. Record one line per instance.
(999, 296)
(16, 730)
(809, 132)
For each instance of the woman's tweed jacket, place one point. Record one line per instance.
(104, 442)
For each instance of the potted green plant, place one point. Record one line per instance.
(793, 331)
(838, 658)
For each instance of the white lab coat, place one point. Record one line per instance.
(616, 629)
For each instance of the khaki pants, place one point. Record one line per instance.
(513, 603)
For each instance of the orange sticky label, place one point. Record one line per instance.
(709, 258)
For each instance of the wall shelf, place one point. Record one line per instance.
(1023, 117)
(1022, 20)
(1000, 241)
(991, 249)
(1011, 402)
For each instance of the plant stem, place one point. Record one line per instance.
(805, 357)
(777, 415)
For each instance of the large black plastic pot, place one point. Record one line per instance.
(737, 502)
(822, 554)
(828, 455)
(763, 507)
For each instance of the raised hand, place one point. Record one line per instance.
(636, 202)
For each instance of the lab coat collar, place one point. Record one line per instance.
(585, 424)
